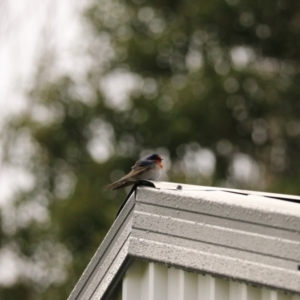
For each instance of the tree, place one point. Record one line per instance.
(212, 86)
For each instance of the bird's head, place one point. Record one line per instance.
(156, 158)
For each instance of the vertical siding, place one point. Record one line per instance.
(150, 281)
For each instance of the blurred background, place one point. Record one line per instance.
(88, 87)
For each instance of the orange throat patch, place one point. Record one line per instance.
(160, 164)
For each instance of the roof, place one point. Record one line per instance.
(242, 235)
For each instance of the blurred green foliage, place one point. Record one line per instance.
(211, 85)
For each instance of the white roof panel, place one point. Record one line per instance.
(248, 236)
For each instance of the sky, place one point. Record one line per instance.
(29, 29)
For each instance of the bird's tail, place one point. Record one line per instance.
(119, 184)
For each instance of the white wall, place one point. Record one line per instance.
(151, 281)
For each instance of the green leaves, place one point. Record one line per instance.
(212, 86)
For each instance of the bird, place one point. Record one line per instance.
(148, 168)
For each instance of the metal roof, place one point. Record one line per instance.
(247, 236)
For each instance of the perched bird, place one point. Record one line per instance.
(148, 168)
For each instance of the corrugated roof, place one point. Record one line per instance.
(248, 236)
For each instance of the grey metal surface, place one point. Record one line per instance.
(251, 238)
(108, 259)
(247, 236)
(189, 187)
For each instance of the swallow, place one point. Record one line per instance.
(148, 168)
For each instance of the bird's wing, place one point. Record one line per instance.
(143, 164)
(136, 170)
